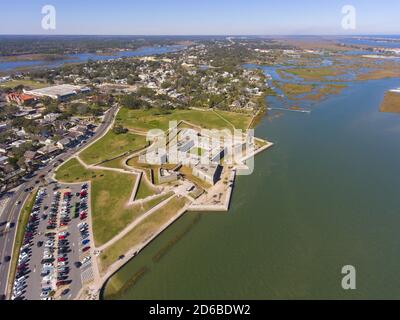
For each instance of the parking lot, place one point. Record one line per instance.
(55, 258)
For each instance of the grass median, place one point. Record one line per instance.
(19, 236)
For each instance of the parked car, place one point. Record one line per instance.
(85, 249)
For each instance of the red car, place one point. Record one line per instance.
(61, 259)
(61, 283)
(61, 237)
(85, 249)
(21, 267)
(63, 224)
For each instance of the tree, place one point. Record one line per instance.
(118, 129)
(131, 101)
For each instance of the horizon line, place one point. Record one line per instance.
(205, 35)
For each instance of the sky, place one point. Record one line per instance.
(200, 17)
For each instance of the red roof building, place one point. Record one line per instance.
(20, 98)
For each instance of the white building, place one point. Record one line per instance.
(60, 92)
(209, 173)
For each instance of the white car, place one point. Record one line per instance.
(49, 244)
(83, 225)
(47, 265)
(18, 286)
(86, 259)
(22, 260)
(47, 256)
(44, 294)
(62, 264)
(47, 278)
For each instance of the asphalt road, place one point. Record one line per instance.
(13, 209)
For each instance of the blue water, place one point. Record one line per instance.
(84, 57)
(325, 196)
(374, 41)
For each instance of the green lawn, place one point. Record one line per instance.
(116, 163)
(155, 119)
(112, 145)
(239, 120)
(145, 229)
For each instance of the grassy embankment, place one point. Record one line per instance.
(145, 190)
(325, 90)
(110, 193)
(19, 236)
(391, 102)
(381, 73)
(295, 91)
(147, 228)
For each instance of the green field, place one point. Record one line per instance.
(117, 163)
(26, 83)
(111, 146)
(145, 229)
(238, 120)
(155, 119)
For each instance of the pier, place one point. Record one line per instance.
(292, 110)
